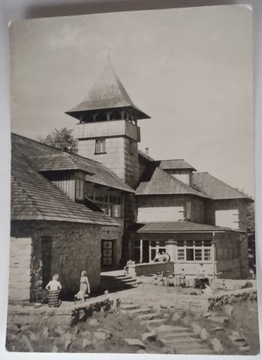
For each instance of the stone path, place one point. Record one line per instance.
(175, 339)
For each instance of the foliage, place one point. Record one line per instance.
(61, 139)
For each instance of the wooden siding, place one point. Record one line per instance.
(185, 178)
(192, 207)
(108, 129)
(67, 186)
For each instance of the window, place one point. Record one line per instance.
(111, 205)
(100, 146)
(194, 250)
(155, 247)
(107, 252)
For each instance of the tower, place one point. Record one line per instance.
(107, 128)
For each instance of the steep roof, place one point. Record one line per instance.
(35, 198)
(46, 158)
(155, 181)
(179, 227)
(215, 188)
(144, 156)
(106, 93)
(175, 164)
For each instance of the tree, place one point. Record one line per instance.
(61, 139)
(251, 236)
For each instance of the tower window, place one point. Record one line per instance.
(100, 146)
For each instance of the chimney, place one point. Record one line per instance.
(146, 151)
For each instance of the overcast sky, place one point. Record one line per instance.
(189, 69)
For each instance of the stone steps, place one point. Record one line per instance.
(117, 282)
(149, 316)
(129, 306)
(153, 322)
(179, 338)
(176, 335)
(137, 311)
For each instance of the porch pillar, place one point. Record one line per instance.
(171, 249)
(141, 251)
(214, 255)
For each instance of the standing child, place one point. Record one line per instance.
(84, 286)
(54, 287)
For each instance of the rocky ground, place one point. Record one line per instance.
(147, 321)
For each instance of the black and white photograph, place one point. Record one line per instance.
(132, 183)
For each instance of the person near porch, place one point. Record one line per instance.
(202, 279)
(84, 288)
(126, 268)
(54, 287)
(157, 257)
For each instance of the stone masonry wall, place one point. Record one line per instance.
(73, 247)
(20, 258)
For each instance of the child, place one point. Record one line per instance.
(84, 286)
(182, 278)
(54, 287)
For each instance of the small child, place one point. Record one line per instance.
(84, 286)
(182, 278)
(54, 287)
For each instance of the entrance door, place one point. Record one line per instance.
(145, 251)
(107, 253)
(46, 248)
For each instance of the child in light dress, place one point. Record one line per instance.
(84, 286)
(54, 287)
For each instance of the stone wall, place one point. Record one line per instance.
(20, 263)
(74, 247)
(230, 297)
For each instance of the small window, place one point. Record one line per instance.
(190, 254)
(180, 243)
(79, 189)
(198, 254)
(100, 146)
(207, 254)
(116, 210)
(180, 254)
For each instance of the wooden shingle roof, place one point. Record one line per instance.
(35, 198)
(215, 188)
(156, 181)
(106, 93)
(179, 227)
(46, 158)
(175, 164)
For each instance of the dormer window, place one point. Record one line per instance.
(100, 146)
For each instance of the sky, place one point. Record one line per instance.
(190, 70)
